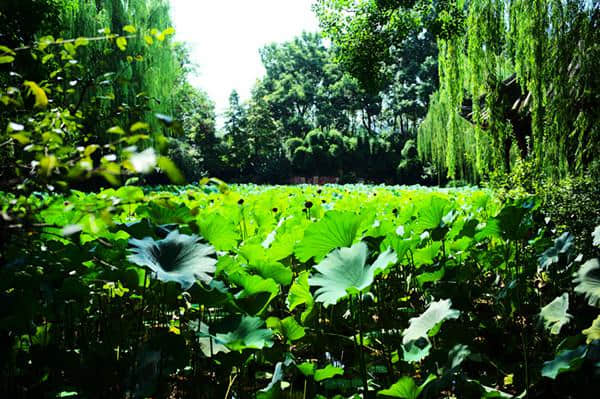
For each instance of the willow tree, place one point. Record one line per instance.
(146, 81)
(548, 47)
(520, 71)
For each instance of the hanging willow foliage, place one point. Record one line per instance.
(149, 78)
(522, 72)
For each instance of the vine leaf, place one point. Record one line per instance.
(554, 315)
(344, 272)
(41, 99)
(178, 257)
(588, 281)
(436, 313)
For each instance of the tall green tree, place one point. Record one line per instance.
(142, 85)
(240, 144)
(195, 147)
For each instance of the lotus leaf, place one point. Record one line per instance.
(436, 313)
(178, 257)
(588, 281)
(554, 315)
(345, 271)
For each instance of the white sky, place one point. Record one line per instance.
(225, 36)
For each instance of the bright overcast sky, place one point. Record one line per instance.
(225, 36)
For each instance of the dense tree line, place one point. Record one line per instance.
(403, 91)
(309, 116)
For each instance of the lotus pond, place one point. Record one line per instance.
(360, 291)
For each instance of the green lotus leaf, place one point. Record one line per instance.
(593, 333)
(247, 334)
(414, 353)
(168, 211)
(562, 245)
(491, 229)
(554, 315)
(219, 231)
(432, 213)
(588, 281)
(513, 220)
(334, 230)
(307, 368)
(208, 344)
(426, 255)
(345, 271)
(436, 313)
(566, 360)
(178, 257)
(274, 270)
(400, 245)
(328, 372)
(257, 292)
(288, 328)
(288, 234)
(493, 393)
(300, 295)
(406, 388)
(431, 277)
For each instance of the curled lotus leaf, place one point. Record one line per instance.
(345, 271)
(178, 257)
(554, 315)
(436, 313)
(588, 281)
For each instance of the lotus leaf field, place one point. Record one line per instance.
(216, 291)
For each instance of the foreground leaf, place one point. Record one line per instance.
(588, 281)
(431, 213)
(328, 372)
(178, 257)
(219, 231)
(344, 272)
(273, 390)
(566, 360)
(288, 328)
(593, 332)
(562, 245)
(335, 230)
(436, 313)
(406, 388)
(554, 315)
(596, 236)
(247, 334)
(300, 295)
